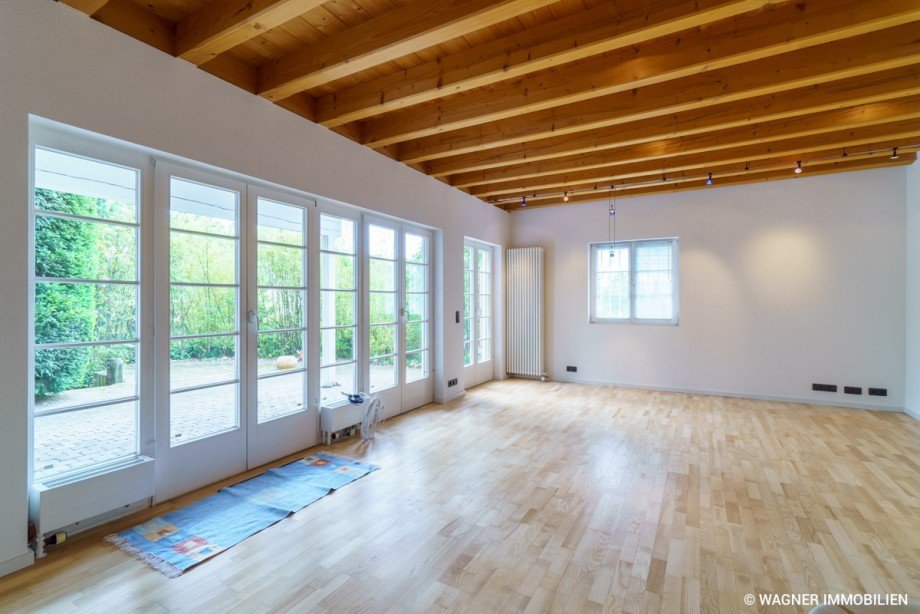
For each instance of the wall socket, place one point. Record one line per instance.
(824, 387)
(852, 390)
(878, 392)
(571, 369)
(451, 382)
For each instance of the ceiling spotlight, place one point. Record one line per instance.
(709, 180)
(798, 167)
(894, 153)
(523, 201)
(565, 197)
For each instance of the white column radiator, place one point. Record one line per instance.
(524, 275)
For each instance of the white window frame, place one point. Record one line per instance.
(98, 149)
(632, 245)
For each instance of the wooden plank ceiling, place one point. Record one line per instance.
(551, 102)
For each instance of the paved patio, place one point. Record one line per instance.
(67, 441)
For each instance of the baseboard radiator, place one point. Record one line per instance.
(524, 278)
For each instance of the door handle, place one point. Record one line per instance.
(251, 317)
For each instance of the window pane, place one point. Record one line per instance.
(383, 340)
(382, 275)
(280, 352)
(336, 308)
(280, 266)
(468, 353)
(484, 260)
(654, 281)
(280, 223)
(200, 413)
(195, 362)
(336, 345)
(485, 283)
(485, 350)
(78, 186)
(81, 439)
(201, 260)
(485, 328)
(484, 304)
(280, 396)
(416, 278)
(66, 312)
(202, 310)
(417, 366)
(416, 336)
(416, 248)
(467, 258)
(337, 272)
(75, 249)
(468, 306)
(336, 380)
(467, 282)
(202, 208)
(280, 309)
(68, 377)
(381, 242)
(612, 282)
(416, 307)
(382, 307)
(468, 329)
(383, 373)
(337, 234)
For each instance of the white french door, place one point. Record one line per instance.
(398, 314)
(200, 431)
(478, 311)
(232, 309)
(280, 365)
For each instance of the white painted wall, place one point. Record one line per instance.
(58, 64)
(913, 291)
(781, 284)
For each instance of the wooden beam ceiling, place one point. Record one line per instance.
(737, 41)
(506, 98)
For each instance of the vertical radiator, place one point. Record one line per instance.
(524, 274)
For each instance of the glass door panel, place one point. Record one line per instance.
(201, 431)
(477, 313)
(338, 308)
(278, 327)
(383, 320)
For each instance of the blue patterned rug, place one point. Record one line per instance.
(177, 541)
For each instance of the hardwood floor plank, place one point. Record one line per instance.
(536, 497)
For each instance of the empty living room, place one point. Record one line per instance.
(473, 306)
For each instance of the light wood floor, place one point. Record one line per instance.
(524, 496)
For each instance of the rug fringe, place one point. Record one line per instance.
(154, 562)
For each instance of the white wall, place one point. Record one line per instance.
(781, 284)
(913, 291)
(58, 64)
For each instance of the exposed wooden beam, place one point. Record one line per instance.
(402, 31)
(85, 6)
(862, 55)
(885, 85)
(699, 184)
(220, 26)
(899, 109)
(138, 22)
(893, 132)
(786, 164)
(578, 36)
(233, 70)
(743, 39)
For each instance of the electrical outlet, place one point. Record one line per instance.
(571, 369)
(878, 392)
(824, 387)
(852, 390)
(452, 382)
